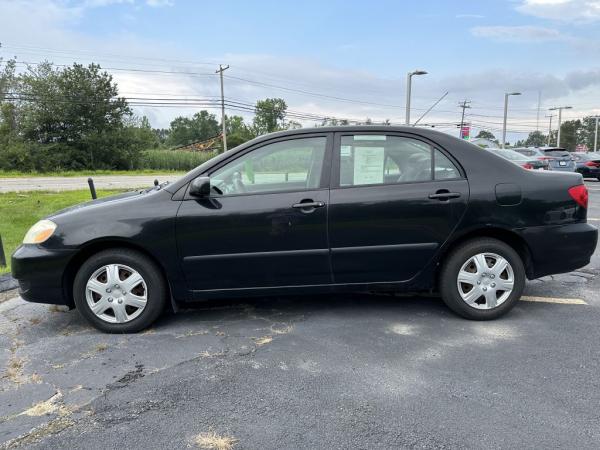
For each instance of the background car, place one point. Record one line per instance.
(534, 153)
(521, 160)
(587, 164)
(558, 159)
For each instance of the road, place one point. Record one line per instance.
(352, 371)
(21, 184)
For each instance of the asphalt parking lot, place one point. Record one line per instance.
(352, 371)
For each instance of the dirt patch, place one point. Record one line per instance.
(263, 340)
(37, 434)
(213, 441)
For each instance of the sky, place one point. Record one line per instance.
(344, 59)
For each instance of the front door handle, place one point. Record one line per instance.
(308, 205)
(443, 195)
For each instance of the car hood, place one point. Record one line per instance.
(116, 200)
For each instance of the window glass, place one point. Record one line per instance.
(444, 168)
(379, 159)
(295, 164)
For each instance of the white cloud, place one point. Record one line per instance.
(562, 10)
(524, 33)
(160, 3)
(51, 27)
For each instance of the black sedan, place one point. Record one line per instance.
(587, 164)
(314, 210)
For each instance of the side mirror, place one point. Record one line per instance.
(200, 187)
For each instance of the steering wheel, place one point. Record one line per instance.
(236, 180)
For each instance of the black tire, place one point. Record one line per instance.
(459, 256)
(157, 291)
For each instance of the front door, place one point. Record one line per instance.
(265, 224)
(394, 200)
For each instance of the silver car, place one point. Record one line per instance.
(557, 158)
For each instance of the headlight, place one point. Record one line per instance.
(40, 232)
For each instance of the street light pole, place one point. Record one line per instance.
(549, 128)
(596, 135)
(408, 91)
(559, 108)
(505, 116)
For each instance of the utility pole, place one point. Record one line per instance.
(220, 72)
(549, 127)
(559, 108)
(537, 120)
(596, 135)
(464, 105)
(506, 95)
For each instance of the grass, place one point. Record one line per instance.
(20, 210)
(86, 173)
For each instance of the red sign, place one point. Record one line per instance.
(465, 131)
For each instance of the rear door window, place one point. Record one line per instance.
(383, 159)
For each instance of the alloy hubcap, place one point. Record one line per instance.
(116, 293)
(485, 281)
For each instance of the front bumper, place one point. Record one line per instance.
(39, 272)
(560, 248)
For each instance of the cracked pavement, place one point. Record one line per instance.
(337, 371)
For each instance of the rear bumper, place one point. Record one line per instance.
(39, 272)
(561, 248)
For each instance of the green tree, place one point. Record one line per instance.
(68, 105)
(269, 115)
(484, 134)
(68, 118)
(570, 131)
(534, 139)
(587, 132)
(199, 127)
(237, 131)
(8, 111)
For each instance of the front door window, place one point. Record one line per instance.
(291, 165)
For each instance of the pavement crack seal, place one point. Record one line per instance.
(130, 377)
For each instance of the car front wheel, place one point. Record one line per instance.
(482, 279)
(119, 291)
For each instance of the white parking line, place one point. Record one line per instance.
(563, 301)
(594, 219)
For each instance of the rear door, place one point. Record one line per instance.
(394, 200)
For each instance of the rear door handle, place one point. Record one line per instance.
(444, 195)
(309, 204)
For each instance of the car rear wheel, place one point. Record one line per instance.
(120, 291)
(482, 279)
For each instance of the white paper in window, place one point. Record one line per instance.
(368, 165)
(346, 150)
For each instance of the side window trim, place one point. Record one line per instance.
(334, 181)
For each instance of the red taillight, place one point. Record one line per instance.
(592, 164)
(580, 195)
(527, 166)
